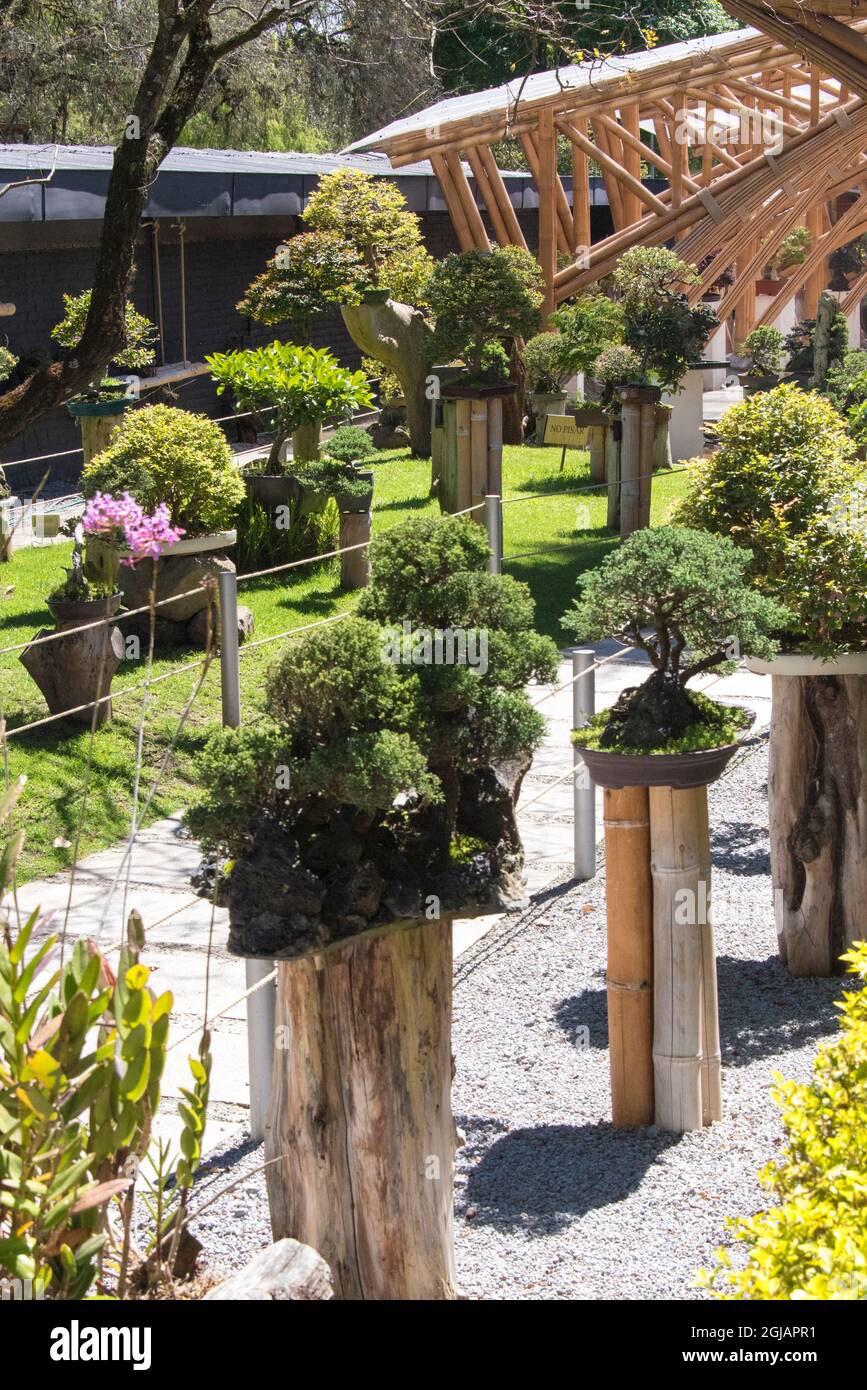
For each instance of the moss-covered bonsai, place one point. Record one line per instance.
(479, 298)
(303, 386)
(682, 598)
(394, 744)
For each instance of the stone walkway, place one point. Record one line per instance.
(178, 926)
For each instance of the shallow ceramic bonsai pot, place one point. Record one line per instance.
(84, 610)
(114, 405)
(272, 489)
(803, 664)
(753, 384)
(347, 503)
(615, 770)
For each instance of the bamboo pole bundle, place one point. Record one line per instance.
(630, 956)
(686, 1053)
(630, 468)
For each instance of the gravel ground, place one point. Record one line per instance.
(551, 1202)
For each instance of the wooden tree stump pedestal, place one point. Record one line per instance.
(76, 669)
(361, 1123)
(639, 447)
(354, 565)
(469, 447)
(817, 795)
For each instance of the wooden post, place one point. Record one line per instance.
(597, 443)
(661, 438)
(478, 452)
(361, 1124)
(495, 446)
(645, 461)
(613, 454)
(547, 208)
(816, 799)
(97, 432)
(629, 906)
(686, 1052)
(630, 468)
(463, 425)
(354, 566)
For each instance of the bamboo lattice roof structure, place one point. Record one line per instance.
(755, 131)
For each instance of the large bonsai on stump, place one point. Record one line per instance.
(784, 482)
(373, 802)
(362, 237)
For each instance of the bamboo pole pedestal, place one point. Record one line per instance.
(361, 1129)
(470, 448)
(639, 446)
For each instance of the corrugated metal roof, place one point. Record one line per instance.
(581, 77)
(40, 159)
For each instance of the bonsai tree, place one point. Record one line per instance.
(847, 261)
(593, 323)
(682, 597)
(764, 347)
(545, 364)
(304, 386)
(138, 353)
(792, 250)
(618, 366)
(310, 275)
(846, 384)
(361, 236)
(659, 323)
(349, 444)
(480, 297)
(162, 455)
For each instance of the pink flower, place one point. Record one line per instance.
(122, 519)
(107, 515)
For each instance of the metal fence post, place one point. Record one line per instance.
(261, 1006)
(584, 793)
(494, 528)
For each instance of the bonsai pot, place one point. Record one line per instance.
(803, 664)
(272, 489)
(753, 384)
(347, 503)
(65, 611)
(769, 287)
(629, 394)
(615, 770)
(112, 405)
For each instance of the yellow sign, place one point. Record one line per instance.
(562, 430)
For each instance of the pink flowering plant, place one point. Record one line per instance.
(129, 535)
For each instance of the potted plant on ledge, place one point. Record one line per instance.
(680, 597)
(162, 455)
(764, 347)
(374, 802)
(784, 482)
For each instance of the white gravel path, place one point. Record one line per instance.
(551, 1201)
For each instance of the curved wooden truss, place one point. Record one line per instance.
(754, 133)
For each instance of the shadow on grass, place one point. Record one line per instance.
(33, 618)
(539, 1179)
(552, 577)
(554, 482)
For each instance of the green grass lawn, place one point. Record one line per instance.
(568, 530)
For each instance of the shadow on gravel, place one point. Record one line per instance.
(585, 1013)
(539, 1180)
(764, 1011)
(740, 847)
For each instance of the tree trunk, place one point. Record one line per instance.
(354, 565)
(76, 669)
(361, 1121)
(817, 794)
(305, 442)
(400, 337)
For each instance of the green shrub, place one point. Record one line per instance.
(161, 454)
(846, 385)
(813, 1243)
(349, 444)
(780, 483)
(659, 323)
(801, 341)
(480, 297)
(8, 363)
(681, 597)
(303, 385)
(305, 278)
(140, 332)
(262, 542)
(792, 249)
(618, 366)
(545, 364)
(765, 346)
(594, 322)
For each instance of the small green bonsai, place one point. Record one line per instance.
(545, 366)
(162, 454)
(138, 353)
(349, 444)
(587, 327)
(304, 386)
(792, 249)
(618, 366)
(668, 333)
(846, 384)
(765, 347)
(307, 277)
(682, 598)
(479, 298)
